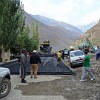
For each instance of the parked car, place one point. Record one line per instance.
(66, 53)
(75, 58)
(5, 83)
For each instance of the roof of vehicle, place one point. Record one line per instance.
(2, 68)
(71, 47)
(76, 50)
(74, 55)
(4, 71)
(44, 43)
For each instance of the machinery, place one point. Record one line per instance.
(86, 45)
(45, 47)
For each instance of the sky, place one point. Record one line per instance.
(75, 12)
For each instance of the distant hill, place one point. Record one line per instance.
(86, 27)
(60, 37)
(92, 34)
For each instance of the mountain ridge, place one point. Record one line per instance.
(92, 34)
(52, 22)
(60, 38)
(86, 27)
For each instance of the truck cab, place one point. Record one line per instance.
(45, 47)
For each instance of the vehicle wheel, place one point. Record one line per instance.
(71, 65)
(5, 88)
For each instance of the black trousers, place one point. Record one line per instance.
(23, 71)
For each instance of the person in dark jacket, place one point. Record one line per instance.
(98, 53)
(34, 60)
(23, 64)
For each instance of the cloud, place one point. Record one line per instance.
(69, 11)
(94, 16)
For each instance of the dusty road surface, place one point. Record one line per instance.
(50, 87)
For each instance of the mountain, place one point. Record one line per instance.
(59, 37)
(93, 34)
(86, 27)
(55, 23)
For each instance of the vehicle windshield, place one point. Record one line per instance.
(66, 51)
(77, 53)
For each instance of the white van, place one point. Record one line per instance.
(75, 58)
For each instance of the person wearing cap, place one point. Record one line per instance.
(71, 49)
(34, 60)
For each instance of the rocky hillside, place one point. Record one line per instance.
(92, 34)
(59, 37)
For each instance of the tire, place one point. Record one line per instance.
(5, 88)
(71, 65)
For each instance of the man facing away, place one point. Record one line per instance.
(34, 60)
(59, 55)
(23, 65)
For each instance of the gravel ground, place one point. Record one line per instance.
(59, 87)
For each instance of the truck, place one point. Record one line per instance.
(45, 47)
(5, 82)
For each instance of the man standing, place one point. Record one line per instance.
(59, 55)
(34, 60)
(86, 68)
(23, 65)
(98, 53)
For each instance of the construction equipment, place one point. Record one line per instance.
(86, 45)
(45, 47)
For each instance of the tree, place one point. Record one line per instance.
(11, 22)
(24, 41)
(35, 37)
(12, 30)
(27, 42)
